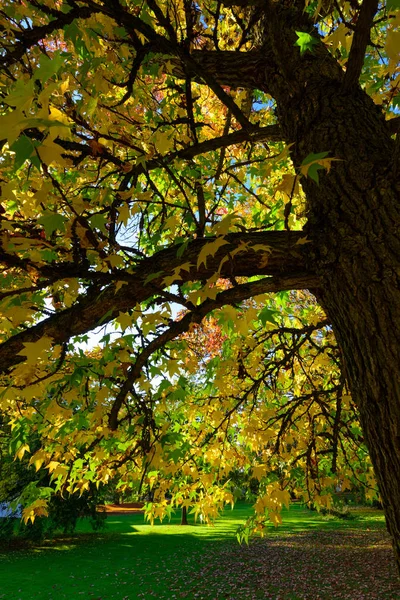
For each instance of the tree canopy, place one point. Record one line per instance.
(197, 200)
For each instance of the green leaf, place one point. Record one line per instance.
(49, 255)
(182, 249)
(51, 222)
(313, 157)
(267, 315)
(98, 221)
(396, 99)
(152, 276)
(22, 94)
(91, 106)
(73, 33)
(393, 5)
(76, 378)
(48, 67)
(305, 41)
(313, 172)
(34, 122)
(24, 148)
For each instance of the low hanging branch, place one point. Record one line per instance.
(283, 258)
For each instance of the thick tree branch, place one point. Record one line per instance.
(191, 66)
(234, 69)
(284, 259)
(361, 40)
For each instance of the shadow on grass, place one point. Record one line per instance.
(168, 561)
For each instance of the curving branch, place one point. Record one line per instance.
(281, 255)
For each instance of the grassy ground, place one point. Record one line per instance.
(309, 557)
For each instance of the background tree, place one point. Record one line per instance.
(151, 149)
(23, 485)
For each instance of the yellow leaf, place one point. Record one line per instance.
(171, 223)
(284, 154)
(392, 46)
(275, 518)
(124, 356)
(52, 153)
(303, 240)
(52, 465)
(259, 471)
(174, 367)
(124, 319)
(185, 267)
(283, 497)
(126, 195)
(59, 470)
(341, 36)
(123, 214)
(115, 260)
(21, 451)
(38, 459)
(262, 248)
(346, 485)
(289, 186)
(34, 350)
(223, 226)
(36, 509)
(119, 285)
(322, 360)
(18, 315)
(57, 115)
(64, 86)
(169, 280)
(325, 163)
(229, 312)
(221, 264)
(210, 249)
(163, 142)
(11, 125)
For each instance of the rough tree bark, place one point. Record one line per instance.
(353, 222)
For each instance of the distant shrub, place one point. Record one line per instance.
(41, 528)
(6, 527)
(64, 512)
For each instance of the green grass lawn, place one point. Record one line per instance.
(309, 554)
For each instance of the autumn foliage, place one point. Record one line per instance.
(158, 240)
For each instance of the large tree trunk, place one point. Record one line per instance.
(354, 220)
